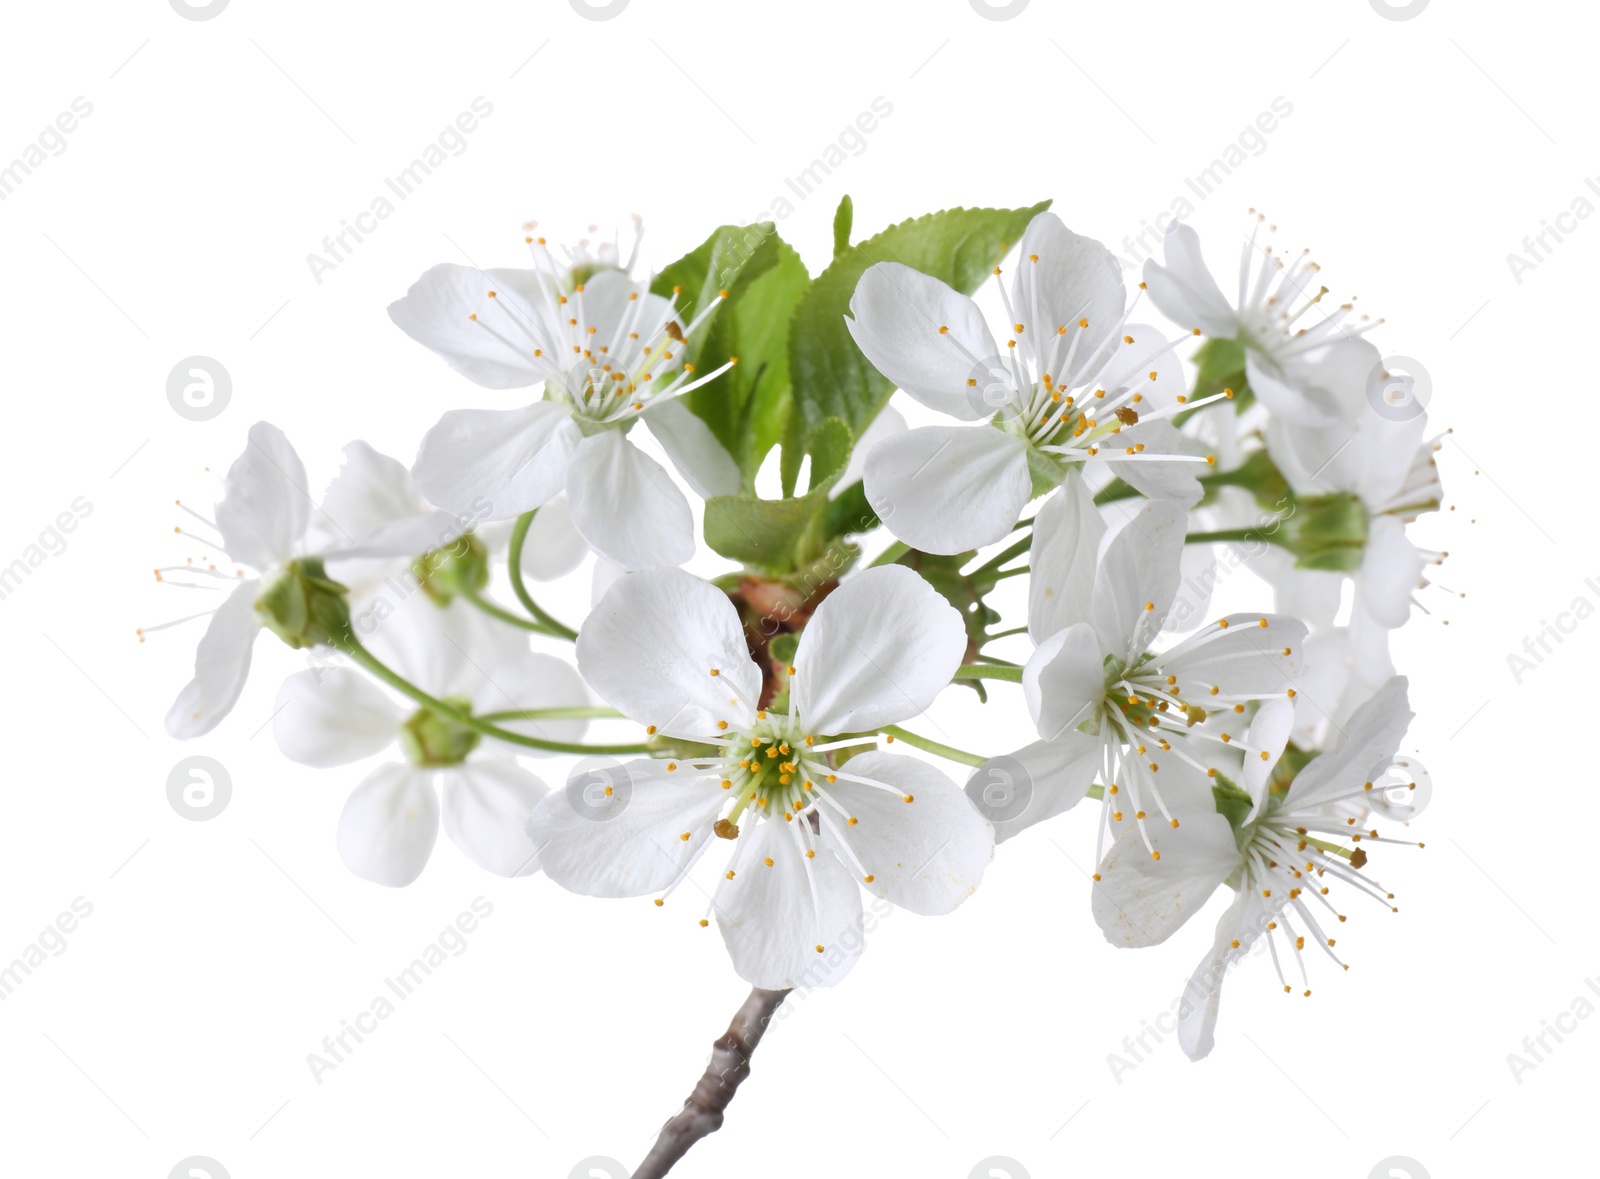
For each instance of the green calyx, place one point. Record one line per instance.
(429, 739)
(1326, 532)
(1233, 803)
(304, 607)
(460, 568)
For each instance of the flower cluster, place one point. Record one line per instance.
(1234, 749)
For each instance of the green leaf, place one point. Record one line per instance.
(1220, 365)
(747, 407)
(842, 219)
(830, 376)
(782, 536)
(850, 512)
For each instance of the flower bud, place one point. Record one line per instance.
(1326, 532)
(429, 739)
(303, 606)
(460, 567)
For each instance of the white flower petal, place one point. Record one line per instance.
(1296, 396)
(704, 463)
(1142, 901)
(1064, 680)
(628, 843)
(1050, 777)
(626, 506)
(373, 509)
(265, 505)
(1183, 290)
(1311, 595)
(651, 644)
(1138, 578)
(1177, 480)
(370, 491)
(1391, 570)
(1269, 733)
(1062, 559)
(898, 318)
(877, 651)
(1237, 930)
(524, 679)
(887, 424)
(947, 489)
(927, 855)
(554, 547)
(1074, 278)
(389, 823)
(773, 919)
(1244, 659)
(487, 805)
(496, 348)
(221, 665)
(331, 716)
(496, 464)
(1364, 744)
(444, 650)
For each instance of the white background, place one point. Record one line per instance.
(177, 221)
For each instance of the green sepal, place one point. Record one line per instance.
(428, 739)
(462, 567)
(305, 607)
(1233, 803)
(1326, 532)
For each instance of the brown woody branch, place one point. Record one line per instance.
(703, 1112)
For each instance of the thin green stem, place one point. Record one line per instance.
(928, 746)
(1115, 490)
(594, 713)
(1227, 534)
(504, 615)
(891, 554)
(352, 647)
(1005, 573)
(1004, 634)
(1014, 550)
(519, 536)
(984, 671)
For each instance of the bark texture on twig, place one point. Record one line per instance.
(702, 1113)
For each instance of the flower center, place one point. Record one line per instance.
(1292, 857)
